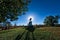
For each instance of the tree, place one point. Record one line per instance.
(57, 17)
(11, 9)
(49, 21)
(8, 24)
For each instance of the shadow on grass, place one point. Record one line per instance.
(27, 36)
(19, 36)
(33, 36)
(28, 33)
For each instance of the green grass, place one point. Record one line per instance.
(10, 34)
(44, 33)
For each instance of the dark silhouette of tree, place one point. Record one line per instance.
(11, 9)
(57, 17)
(8, 24)
(51, 20)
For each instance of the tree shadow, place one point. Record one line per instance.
(19, 36)
(27, 36)
(33, 36)
(30, 30)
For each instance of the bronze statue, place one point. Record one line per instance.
(30, 26)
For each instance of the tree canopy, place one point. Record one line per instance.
(11, 9)
(51, 20)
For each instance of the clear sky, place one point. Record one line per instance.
(39, 9)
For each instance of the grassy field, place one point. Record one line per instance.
(43, 33)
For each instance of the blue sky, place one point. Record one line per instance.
(39, 9)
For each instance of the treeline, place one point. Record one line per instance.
(49, 21)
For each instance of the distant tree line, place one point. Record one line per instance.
(51, 20)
